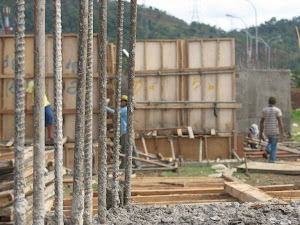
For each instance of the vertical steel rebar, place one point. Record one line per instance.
(102, 161)
(20, 203)
(131, 76)
(39, 113)
(58, 120)
(88, 143)
(116, 149)
(77, 204)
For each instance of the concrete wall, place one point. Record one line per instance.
(253, 90)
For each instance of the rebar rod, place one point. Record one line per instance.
(20, 203)
(88, 143)
(102, 161)
(131, 76)
(58, 120)
(39, 114)
(116, 149)
(77, 203)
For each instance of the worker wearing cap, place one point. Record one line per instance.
(49, 119)
(123, 113)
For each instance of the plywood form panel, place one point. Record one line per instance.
(29, 55)
(209, 51)
(153, 55)
(226, 53)
(169, 55)
(69, 93)
(8, 55)
(225, 87)
(226, 122)
(140, 56)
(169, 117)
(49, 55)
(194, 54)
(8, 94)
(8, 126)
(218, 147)
(154, 91)
(69, 53)
(195, 90)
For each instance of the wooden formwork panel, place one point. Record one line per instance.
(178, 73)
(69, 64)
(189, 149)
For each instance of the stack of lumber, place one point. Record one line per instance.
(7, 181)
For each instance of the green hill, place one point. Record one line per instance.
(156, 24)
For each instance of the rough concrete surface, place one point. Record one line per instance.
(223, 213)
(253, 89)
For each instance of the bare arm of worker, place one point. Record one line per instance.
(281, 126)
(27, 100)
(261, 128)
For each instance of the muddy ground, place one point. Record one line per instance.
(223, 213)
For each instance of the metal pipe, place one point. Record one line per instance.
(131, 76)
(116, 148)
(184, 73)
(77, 203)
(88, 143)
(58, 120)
(39, 114)
(102, 170)
(236, 17)
(20, 203)
(256, 31)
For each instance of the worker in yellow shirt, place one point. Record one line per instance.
(48, 111)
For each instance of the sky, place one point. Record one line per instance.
(213, 12)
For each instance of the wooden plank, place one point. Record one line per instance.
(148, 161)
(187, 105)
(187, 202)
(172, 148)
(10, 143)
(285, 194)
(191, 133)
(278, 187)
(181, 197)
(6, 198)
(246, 193)
(176, 191)
(145, 147)
(153, 180)
(179, 132)
(275, 168)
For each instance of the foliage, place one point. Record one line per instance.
(296, 77)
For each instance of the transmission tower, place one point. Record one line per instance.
(195, 13)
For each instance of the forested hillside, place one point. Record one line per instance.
(156, 24)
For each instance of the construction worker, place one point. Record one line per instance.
(49, 119)
(270, 121)
(123, 113)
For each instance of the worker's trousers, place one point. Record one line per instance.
(123, 150)
(272, 148)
